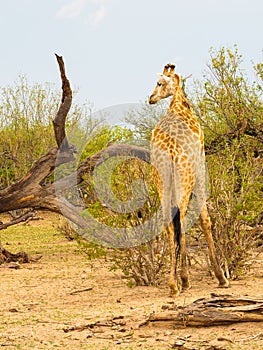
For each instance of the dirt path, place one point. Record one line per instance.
(40, 302)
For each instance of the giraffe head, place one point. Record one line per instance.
(167, 84)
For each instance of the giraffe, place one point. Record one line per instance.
(177, 153)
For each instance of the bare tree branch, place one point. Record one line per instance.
(24, 217)
(60, 119)
(32, 192)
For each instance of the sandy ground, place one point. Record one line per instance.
(54, 303)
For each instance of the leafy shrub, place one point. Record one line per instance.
(145, 264)
(230, 109)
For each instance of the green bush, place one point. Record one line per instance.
(230, 109)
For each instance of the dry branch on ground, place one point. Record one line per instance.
(214, 311)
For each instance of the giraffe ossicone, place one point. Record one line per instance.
(177, 153)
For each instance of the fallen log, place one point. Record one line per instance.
(214, 311)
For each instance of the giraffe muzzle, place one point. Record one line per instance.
(151, 100)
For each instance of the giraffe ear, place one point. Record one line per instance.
(177, 79)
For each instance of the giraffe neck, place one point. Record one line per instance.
(180, 108)
(179, 103)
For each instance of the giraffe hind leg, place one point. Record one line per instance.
(180, 240)
(177, 229)
(173, 231)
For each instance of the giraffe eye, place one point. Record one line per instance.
(159, 84)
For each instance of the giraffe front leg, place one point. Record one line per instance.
(184, 270)
(206, 226)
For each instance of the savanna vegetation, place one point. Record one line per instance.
(229, 106)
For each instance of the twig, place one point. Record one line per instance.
(259, 335)
(6, 344)
(81, 291)
(225, 339)
(106, 323)
(25, 217)
(77, 328)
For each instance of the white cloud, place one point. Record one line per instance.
(73, 9)
(97, 16)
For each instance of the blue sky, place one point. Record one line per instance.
(113, 48)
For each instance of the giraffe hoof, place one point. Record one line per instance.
(174, 293)
(224, 284)
(186, 286)
(185, 283)
(174, 290)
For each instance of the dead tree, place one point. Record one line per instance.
(34, 192)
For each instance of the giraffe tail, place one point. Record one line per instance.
(177, 228)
